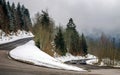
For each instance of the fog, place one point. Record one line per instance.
(88, 15)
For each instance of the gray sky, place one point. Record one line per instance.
(88, 15)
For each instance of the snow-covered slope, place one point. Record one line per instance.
(68, 57)
(30, 53)
(14, 36)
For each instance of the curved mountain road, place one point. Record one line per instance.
(9, 66)
(14, 44)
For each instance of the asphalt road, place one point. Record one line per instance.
(14, 44)
(9, 66)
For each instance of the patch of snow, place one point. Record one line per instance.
(117, 66)
(13, 37)
(69, 57)
(109, 62)
(30, 53)
(90, 56)
(102, 64)
(92, 61)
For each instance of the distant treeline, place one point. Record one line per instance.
(14, 18)
(105, 47)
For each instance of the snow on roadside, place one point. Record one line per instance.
(20, 35)
(30, 53)
(69, 57)
(92, 61)
(106, 62)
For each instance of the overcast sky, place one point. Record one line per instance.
(88, 15)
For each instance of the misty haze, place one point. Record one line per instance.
(89, 15)
(59, 37)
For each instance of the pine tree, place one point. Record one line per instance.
(5, 18)
(10, 17)
(45, 18)
(14, 17)
(75, 43)
(19, 16)
(60, 43)
(83, 44)
(22, 18)
(72, 38)
(1, 2)
(69, 31)
(28, 24)
(1, 14)
(71, 24)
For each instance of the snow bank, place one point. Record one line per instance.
(30, 53)
(92, 61)
(68, 57)
(109, 62)
(13, 37)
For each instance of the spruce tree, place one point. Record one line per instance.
(1, 14)
(10, 17)
(14, 17)
(75, 43)
(72, 38)
(69, 31)
(60, 43)
(83, 44)
(5, 7)
(22, 18)
(71, 24)
(5, 18)
(1, 2)
(27, 20)
(19, 16)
